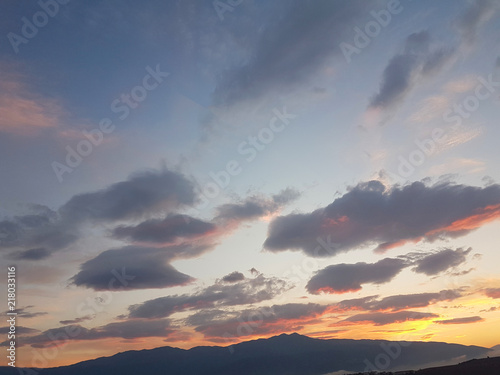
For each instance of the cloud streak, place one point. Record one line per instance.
(466, 320)
(398, 302)
(380, 319)
(290, 49)
(244, 292)
(131, 329)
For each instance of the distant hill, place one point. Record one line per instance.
(280, 355)
(485, 366)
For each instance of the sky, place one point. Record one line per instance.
(190, 173)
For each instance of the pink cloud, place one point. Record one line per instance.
(23, 112)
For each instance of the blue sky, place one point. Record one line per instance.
(206, 149)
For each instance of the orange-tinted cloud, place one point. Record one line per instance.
(479, 218)
(379, 319)
(492, 292)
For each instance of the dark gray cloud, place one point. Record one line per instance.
(143, 193)
(33, 254)
(170, 229)
(380, 319)
(396, 81)
(130, 329)
(399, 302)
(76, 320)
(233, 277)
(20, 330)
(22, 312)
(416, 61)
(419, 59)
(371, 214)
(36, 235)
(478, 13)
(145, 268)
(181, 237)
(247, 291)
(256, 206)
(293, 46)
(441, 261)
(342, 278)
(469, 319)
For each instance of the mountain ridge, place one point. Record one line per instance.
(285, 354)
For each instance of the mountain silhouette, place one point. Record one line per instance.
(286, 354)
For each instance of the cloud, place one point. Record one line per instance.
(373, 214)
(145, 268)
(396, 81)
(167, 230)
(22, 312)
(441, 261)
(255, 207)
(491, 309)
(33, 254)
(343, 278)
(20, 330)
(143, 193)
(479, 12)
(404, 69)
(176, 227)
(36, 235)
(247, 291)
(22, 111)
(76, 320)
(131, 329)
(419, 59)
(469, 319)
(293, 47)
(157, 242)
(399, 302)
(492, 292)
(233, 277)
(380, 319)
(223, 325)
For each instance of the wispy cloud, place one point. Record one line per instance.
(23, 111)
